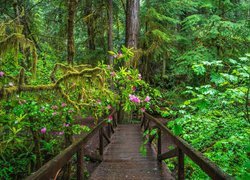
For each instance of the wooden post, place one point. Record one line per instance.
(159, 144)
(147, 125)
(109, 130)
(180, 165)
(142, 120)
(80, 169)
(115, 119)
(101, 141)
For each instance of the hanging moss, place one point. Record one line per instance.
(14, 41)
(87, 78)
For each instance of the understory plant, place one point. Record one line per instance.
(215, 117)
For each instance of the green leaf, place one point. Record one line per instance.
(199, 69)
(177, 129)
(217, 78)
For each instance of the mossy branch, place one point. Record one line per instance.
(92, 74)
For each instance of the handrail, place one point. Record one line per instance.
(51, 168)
(183, 148)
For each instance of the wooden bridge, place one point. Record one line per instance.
(122, 159)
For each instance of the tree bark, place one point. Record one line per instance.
(90, 24)
(132, 31)
(110, 30)
(132, 23)
(71, 43)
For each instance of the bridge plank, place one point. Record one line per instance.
(123, 160)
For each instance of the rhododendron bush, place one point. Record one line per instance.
(39, 117)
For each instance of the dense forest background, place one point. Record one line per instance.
(195, 53)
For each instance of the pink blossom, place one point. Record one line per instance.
(64, 104)
(55, 107)
(66, 125)
(133, 98)
(43, 130)
(143, 109)
(42, 109)
(119, 55)
(139, 76)
(60, 133)
(109, 106)
(54, 113)
(147, 99)
(99, 101)
(1, 73)
(113, 74)
(110, 117)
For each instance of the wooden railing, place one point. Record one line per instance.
(182, 148)
(51, 168)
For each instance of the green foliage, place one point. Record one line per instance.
(199, 42)
(215, 117)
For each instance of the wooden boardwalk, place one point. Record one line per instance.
(122, 158)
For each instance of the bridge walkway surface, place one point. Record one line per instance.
(122, 158)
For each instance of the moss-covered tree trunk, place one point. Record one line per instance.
(71, 43)
(89, 16)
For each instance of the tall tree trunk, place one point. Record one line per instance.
(90, 24)
(132, 23)
(110, 30)
(132, 31)
(71, 43)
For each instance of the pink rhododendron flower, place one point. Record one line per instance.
(147, 99)
(110, 117)
(143, 109)
(66, 125)
(109, 107)
(119, 55)
(55, 107)
(42, 109)
(1, 73)
(54, 113)
(60, 133)
(99, 101)
(133, 98)
(139, 76)
(113, 74)
(64, 104)
(43, 130)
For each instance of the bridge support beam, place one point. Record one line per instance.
(159, 144)
(180, 164)
(80, 168)
(101, 141)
